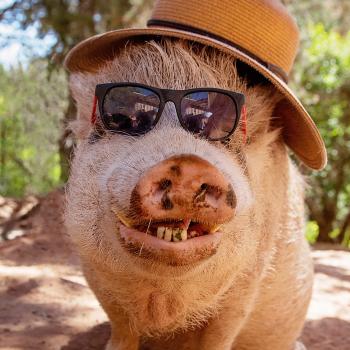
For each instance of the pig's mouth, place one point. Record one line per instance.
(174, 242)
(176, 230)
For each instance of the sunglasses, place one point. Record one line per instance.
(135, 109)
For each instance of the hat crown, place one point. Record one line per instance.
(263, 28)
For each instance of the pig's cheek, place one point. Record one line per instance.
(81, 217)
(114, 191)
(85, 199)
(237, 246)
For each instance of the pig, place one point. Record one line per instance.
(244, 284)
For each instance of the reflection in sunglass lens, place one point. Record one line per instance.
(130, 109)
(208, 114)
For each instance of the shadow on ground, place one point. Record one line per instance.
(327, 334)
(94, 339)
(331, 271)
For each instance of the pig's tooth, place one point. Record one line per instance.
(177, 234)
(186, 224)
(215, 228)
(168, 234)
(183, 235)
(193, 234)
(123, 220)
(160, 232)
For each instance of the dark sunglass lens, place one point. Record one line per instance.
(208, 114)
(130, 109)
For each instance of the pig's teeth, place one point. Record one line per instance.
(193, 234)
(215, 228)
(168, 234)
(171, 234)
(160, 232)
(177, 234)
(123, 220)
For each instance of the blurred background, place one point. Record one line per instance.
(35, 105)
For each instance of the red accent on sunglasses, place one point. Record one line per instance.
(93, 114)
(244, 123)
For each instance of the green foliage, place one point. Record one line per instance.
(31, 107)
(322, 80)
(346, 240)
(334, 14)
(312, 232)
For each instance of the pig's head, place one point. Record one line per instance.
(168, 202)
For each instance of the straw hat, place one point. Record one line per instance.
(261, 33)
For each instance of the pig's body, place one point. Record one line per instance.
(251, 291)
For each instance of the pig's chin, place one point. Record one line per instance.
(170, 253)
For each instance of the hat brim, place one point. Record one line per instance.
(299, 131)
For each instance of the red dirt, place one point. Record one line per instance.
(45, 303)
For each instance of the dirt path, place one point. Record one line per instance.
(328, 325)
(46, 305)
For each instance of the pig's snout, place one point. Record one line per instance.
(184, 187)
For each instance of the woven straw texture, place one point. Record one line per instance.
(262, 27)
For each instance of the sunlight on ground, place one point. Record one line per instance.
(332, 279)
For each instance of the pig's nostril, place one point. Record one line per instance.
(209, 194)
(206, 191)
(200, 195)
(164, 184)
(167, 204)
(204, 187)
(214, 191)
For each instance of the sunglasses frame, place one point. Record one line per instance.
(167, 95)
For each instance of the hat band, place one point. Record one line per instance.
(270, 66)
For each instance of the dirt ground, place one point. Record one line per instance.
(45, 303)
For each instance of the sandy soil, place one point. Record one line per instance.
(45, 303)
